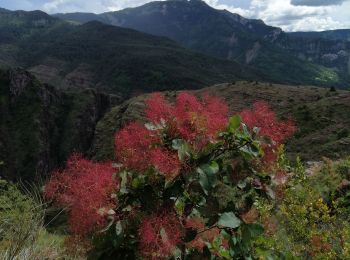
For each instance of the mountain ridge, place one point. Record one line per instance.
(108, 58)
(219, 33)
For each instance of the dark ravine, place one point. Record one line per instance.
(40, 126)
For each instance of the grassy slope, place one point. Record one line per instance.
(321, 116)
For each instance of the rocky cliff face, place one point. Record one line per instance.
(329, 53)
(41, 126)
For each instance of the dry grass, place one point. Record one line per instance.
(22, 231)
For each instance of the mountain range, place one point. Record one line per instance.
(281, 56)
(110, 59)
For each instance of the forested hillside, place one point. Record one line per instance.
(107, 58)
(280, 56)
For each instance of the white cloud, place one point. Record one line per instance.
(289, 17)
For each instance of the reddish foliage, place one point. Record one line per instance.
(319, 245)
(203, 235)
(280, 178)
(133, 143)
(250, 216)
(158, 108)
(159, 235)
(136, 149)
(196, 121)
(265, 119)
(199, 122)
(270, 224)
(166, 162)
(84, 187)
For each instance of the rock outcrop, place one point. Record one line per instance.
(40, 126)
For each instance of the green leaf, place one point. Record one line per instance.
(234, 123)
(177, 143)
(251, 232)
(207, 175)
(177, 253)
(180, 206)
(119, 228)
(203, 181)
(123, 183)
(138, 182)
(214, 167)
(224, 253)
(164, 236)
(183, 148)
(242, 184)
(211, 168)
(229, 220)
(184, 152)
(111, 222)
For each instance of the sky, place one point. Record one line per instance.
(290, 15)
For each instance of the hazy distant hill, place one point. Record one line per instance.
(226, 35)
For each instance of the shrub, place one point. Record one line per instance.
(20, 220)
(85, 187)
(183, 185)
(22, 230)
(311, 222)
(342, 134)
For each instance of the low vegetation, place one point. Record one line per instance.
(194, 183)
(191, 182)
(311, 220)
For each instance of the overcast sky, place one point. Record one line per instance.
(291, 15)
